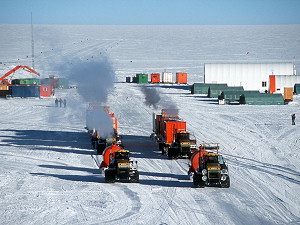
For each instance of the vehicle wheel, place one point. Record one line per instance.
(197, 180)
(170, 152)
(225, 184)
(135, 178)
(110, 176)
(173, 153)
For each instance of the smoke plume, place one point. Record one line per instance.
(94, 80)
(152, 96)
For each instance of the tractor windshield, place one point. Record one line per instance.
(211, 159)
(122, 155)
(183, 136)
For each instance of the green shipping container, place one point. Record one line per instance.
(28, 81)
(215, 91)
(202, 88)
(141, 78)
(261, 99)
(233, 95)
(297, 89)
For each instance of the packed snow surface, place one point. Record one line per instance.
(50, 173)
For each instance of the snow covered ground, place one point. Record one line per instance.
(49, 172)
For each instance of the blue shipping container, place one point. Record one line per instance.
(25, 91)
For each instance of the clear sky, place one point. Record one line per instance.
(150, 12)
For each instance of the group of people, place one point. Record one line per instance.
(61, 102)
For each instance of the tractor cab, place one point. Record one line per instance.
(122, 155)
(182, 136)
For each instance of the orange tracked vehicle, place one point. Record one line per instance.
(117, 165)
(209, 168)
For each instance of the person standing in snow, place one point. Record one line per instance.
(56, 102)
(60, 102)
(293, 119)
(65, 103)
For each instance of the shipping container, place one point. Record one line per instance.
(4, 93)
(134, 79)
(128, 79)
(28, 81)
(46, 91)
(4, 87)
(141, 78)
(254, 98)
(155, 77)
(231, 95)
(167, 77)
(181, 78)
(288, 94)
(215, 90)
(45, 81)
(171, 128)
(63, 83)
(202, 88)
(297, 89)
(25, 91)
(114, 122)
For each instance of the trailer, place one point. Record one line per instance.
(171, 134)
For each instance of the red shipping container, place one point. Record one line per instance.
(171, 128)
(45, 91)
(114, 122)
(181, 78)
(155, 78)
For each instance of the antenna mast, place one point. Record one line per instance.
(32, 44)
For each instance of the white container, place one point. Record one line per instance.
(167, 77)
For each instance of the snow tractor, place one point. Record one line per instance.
(118, 165)
(99, 142)
(208, 167)
(171, 134)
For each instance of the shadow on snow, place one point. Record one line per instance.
(59, 141)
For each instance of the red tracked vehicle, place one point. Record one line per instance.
(208, 167)
(117, 165)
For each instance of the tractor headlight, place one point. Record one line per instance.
(223, 178)
(204, 178)
(224, 171)
(204, 172)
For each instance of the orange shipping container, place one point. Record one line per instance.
(181, 78)
(114, 122)
(155, 77)
(288, 94)
(4, 87)
(171, 128)
(45, 91)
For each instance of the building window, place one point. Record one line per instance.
(264, 84)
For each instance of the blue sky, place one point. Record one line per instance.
(150, 12)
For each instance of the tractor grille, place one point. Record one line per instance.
(213, 175)
(185, 150)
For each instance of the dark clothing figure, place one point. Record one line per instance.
(60, 102)
(293, 119)
(56, 102)
(65, 103)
